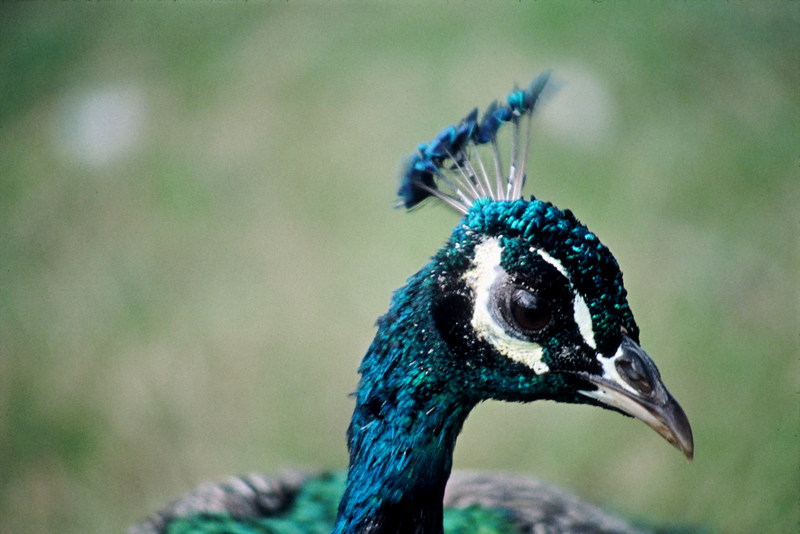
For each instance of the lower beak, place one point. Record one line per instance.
(632, 384)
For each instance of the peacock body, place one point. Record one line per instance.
(522, 303)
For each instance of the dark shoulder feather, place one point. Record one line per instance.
(533, 505)
(240, 497)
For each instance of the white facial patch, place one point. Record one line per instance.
(485, 270)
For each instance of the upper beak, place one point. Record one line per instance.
(632, 384)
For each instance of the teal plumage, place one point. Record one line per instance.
(296, 504)
(522, 303)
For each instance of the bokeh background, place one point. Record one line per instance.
(197, 234)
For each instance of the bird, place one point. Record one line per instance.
(522, 303)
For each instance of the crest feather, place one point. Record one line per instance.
(450, 167)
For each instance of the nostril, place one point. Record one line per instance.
(634, 375)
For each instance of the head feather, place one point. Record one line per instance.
(450, 167)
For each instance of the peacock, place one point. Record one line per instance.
(522, 303)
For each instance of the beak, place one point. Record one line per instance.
(632, 384)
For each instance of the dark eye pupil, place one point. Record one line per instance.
(528, 311)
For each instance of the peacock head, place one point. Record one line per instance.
(528, 301)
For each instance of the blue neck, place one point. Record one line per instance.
(404, 427)
(399, 466)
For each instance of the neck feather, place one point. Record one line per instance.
(404, 427)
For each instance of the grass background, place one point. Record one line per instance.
(197, 234)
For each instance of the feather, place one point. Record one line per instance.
(450, 168)
(294, 503)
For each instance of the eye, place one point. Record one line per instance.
(529, 312)
(522, 310)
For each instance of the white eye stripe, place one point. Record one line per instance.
(552, 261)
(583, 317)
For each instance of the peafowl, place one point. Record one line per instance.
(522, 303)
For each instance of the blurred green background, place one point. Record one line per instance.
(197, 235)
